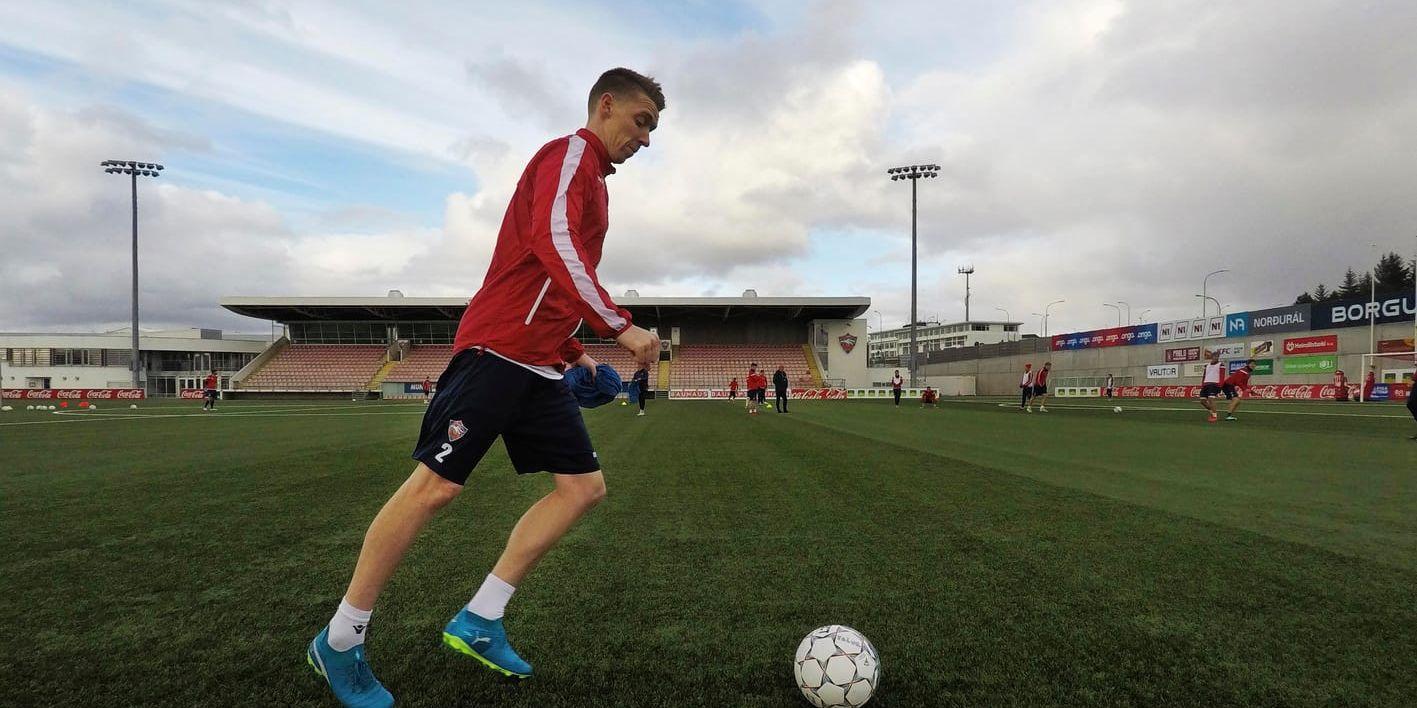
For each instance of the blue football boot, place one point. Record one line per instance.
(486, 641)
(347, 673)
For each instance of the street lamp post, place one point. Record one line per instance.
(1045, 314)
(1207, 298)
(1204, 283)
(966, 271)
(1123, 303)
(914, 173)
(1142, 317)
(1118, 309)
(1006, 322)
(133, 170)
(1041, 319)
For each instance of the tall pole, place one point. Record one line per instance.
(967, 271)
(1123, 303)
(1048, 307)
(134, 365)
(1206, 282)
(1006, 322)
(133, 170)
(1372, 298)
(913, 173)
(1118, 309)
(913, 318)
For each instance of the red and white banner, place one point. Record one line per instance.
(796, 394)
(193, 393)
(91, 394)
(1272, 392)
(1317, 344)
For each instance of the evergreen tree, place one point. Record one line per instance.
(1321, 293)
(1303, 299)
(1351, 286)
(1365, 285)
(1391, 272)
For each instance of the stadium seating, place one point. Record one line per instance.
(622, 362)
(420, 362)
(430, 360)
(318, 367)
(712, 365)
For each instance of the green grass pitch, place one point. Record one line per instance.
(168, 557)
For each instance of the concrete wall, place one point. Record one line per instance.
(839, 363)
(1000, 375)
(68, 376)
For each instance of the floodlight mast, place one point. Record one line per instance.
(914, 173)
(966, 271)
(134, 170)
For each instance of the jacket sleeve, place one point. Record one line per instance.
(571, 350)
(559, 191)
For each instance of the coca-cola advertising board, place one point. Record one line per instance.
(796, 394)
(193, 393)
(90, 394)
(1395, 346)
(1275, 392)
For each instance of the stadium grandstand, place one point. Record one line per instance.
(386, 346)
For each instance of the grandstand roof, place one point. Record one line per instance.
(303, 309)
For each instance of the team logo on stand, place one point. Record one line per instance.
(456, 430)
(847, 341)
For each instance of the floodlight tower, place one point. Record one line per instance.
(914, 173)
(133, 170)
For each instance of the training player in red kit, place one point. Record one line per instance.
(733, 389)
(928, 397)
(209, 393)
(1236, 385)
(505, 381)
(427, 387)
(1025, 387)
(1340, 386)
(1040, 388)
(1370, 380)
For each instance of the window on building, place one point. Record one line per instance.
(979, 327)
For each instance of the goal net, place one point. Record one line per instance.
(1389, 368)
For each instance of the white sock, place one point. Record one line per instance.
(490, 602)
(348, 627)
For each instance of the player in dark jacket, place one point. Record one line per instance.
(779, 382)
(641, 381)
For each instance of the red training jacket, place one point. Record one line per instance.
(541, 283)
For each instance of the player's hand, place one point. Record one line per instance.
(588, 364)
(641, 343)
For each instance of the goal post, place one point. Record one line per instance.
(1388, 368)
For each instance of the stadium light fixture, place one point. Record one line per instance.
(914, 173)
(1205, 299)
(134, 170)
(1046, 308)
(1204, 292)
(1142, 317)
(1007, 319)
(1118, 309)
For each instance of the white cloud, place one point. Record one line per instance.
(1097, 150)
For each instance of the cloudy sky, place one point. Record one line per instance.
(1092, 150)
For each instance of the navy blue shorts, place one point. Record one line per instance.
(1210, 390)
(482, 396)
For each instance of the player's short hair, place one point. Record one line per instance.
(624, 83)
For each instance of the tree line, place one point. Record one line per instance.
(1391, 272)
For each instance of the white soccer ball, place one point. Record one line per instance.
(54, 408)
(1116, 409)
(29, 408)
(133, 406)
(93, 406)
(836, 666)
(7, 409)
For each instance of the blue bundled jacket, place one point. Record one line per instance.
(597, 391)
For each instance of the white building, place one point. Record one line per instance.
(172, 359)
(891, 345)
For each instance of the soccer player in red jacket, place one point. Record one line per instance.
(504, 380)
(1236, 385)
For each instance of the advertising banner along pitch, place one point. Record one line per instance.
(1163, 371)
(1111, 337)
(1183, 354)
(1317, 344)
(1357, 311)
(1225, 351)
(1322, 364)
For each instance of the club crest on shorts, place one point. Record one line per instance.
(456, 429)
